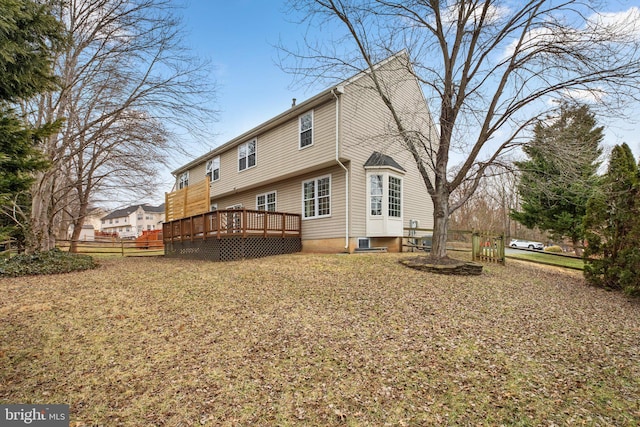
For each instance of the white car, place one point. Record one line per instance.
(526, 244)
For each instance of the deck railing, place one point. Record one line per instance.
(232, 222)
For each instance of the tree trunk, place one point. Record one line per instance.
(40, 235)
(440, 226)
(78, 223)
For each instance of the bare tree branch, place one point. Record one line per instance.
(128, 86)
(488, 70)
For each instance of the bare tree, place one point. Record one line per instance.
(128, 85)
(489, 207)
(488, 69)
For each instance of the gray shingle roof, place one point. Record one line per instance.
(378, 159)
(119, 213)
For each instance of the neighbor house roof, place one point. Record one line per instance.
(119, 213)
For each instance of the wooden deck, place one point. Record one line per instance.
(232, 222)
(232, 234)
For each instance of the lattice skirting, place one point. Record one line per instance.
(232, 248)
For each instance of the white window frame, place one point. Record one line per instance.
(300, 130)
(183, 180)
(364, 243)
(379, 196)
(315, 198)
(386, 209)
(243, 154)
(392, 212)
(265, 206)
(210, 170)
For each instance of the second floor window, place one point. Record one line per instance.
(247, 155)
(306, 129)
(213, 169)
(183, 181)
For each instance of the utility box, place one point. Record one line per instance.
(426, 241)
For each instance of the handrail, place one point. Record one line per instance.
(233, 222)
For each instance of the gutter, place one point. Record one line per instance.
(339, 90)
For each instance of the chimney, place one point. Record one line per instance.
(293, 102)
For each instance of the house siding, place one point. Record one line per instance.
(277, 154)
(289, 199)
(364, 127)
(367, 127)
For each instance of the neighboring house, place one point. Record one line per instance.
(131, 221)
(87, 234)
(335, 160)
(94, 218)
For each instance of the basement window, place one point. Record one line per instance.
(364, 243)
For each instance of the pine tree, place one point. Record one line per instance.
(612, 225)
(559, 176)
(29, 35)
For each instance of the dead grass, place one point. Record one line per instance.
(319, 340)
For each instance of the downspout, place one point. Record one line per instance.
(339, 90)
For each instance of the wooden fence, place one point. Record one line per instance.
(488, 247)
(421, 239)
(188, 201)
(484, 246)
(8, 247)
(115, 247)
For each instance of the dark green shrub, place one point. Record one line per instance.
(51, 262)
(612, 226)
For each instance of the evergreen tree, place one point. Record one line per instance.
(612, 225)
(29, 35)
(18, 155)
(559, 176)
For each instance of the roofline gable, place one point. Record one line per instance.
(294, 111)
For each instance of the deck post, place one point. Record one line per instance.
(284, 224)
(266, 222)
(219, 220)
(244, 223)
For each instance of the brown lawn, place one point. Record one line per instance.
(351, 340)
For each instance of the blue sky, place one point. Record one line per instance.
(239, 38)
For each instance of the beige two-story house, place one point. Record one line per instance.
(336, 159)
